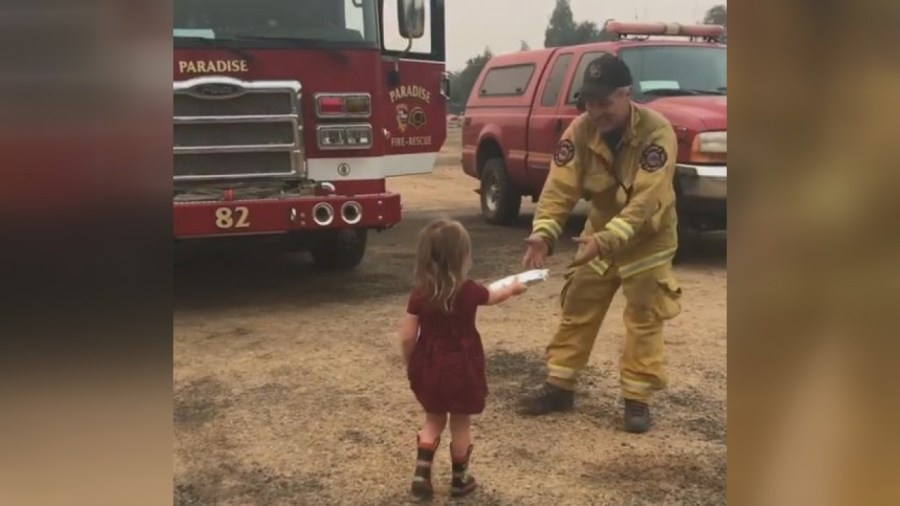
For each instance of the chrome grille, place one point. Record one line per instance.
(234, 134)
(244, 105)
(231, 164)
(230, 129)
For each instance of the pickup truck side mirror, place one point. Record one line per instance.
(411, 18)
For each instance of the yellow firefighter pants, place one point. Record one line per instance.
(651, 297)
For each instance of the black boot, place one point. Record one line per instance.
(463, 483)
(548, 399)
(637, 416)
(421, 484)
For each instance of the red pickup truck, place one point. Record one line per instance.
(522, 102)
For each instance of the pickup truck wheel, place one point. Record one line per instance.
(500, 202)
(340, 249)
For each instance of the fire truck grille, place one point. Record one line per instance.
(250, 104)
(233, 134)
(225, 129)
(231, 164)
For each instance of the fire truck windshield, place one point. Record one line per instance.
(273, 23)
(676, 70)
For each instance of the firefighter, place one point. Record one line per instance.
(620, 157)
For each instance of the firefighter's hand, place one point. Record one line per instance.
(536, 252)
(587, 251)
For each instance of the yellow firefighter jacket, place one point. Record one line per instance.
(632, 199)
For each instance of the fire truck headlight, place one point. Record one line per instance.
(360, 137)
(713, 142)
(345, 136)
(710, 147)
(331, 137)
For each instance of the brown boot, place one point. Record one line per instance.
(463, 483)
(421, 484)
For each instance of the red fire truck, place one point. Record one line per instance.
(522, 103)
(290, 114)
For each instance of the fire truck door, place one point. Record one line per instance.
(414, 106)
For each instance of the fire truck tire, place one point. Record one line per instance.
(500, 201)
(340, 249)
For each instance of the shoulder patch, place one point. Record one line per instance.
(565, 152)
(653, 158)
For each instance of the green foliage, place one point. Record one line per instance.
(561, 29)
(462, 82)
(564, 31)
(718, 15)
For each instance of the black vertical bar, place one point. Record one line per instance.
(438, 31)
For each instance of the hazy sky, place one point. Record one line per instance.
(502, 24)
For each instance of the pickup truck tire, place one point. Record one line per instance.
(500, 201)
(339, 249)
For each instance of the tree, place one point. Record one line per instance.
(462, 82)
(524, 46)
(718, 15)
(588, 31)
(563, 31)
(605, 35)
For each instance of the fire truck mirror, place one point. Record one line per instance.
(411, 18)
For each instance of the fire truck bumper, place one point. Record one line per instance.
(275, 216)
(703, 182)
(702, 196)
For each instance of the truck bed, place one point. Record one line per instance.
(499, 110)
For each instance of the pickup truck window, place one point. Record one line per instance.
(676, 70)
(507, 81)
(555, 80)
(575, 86)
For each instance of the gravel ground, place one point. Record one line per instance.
(289, 387)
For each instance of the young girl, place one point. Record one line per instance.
(443, 351)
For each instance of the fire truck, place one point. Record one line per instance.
(522, 103)
(290, 114)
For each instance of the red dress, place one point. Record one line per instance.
(446, 369)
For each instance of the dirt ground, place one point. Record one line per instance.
(290, 390)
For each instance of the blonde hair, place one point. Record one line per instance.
(442, 262)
